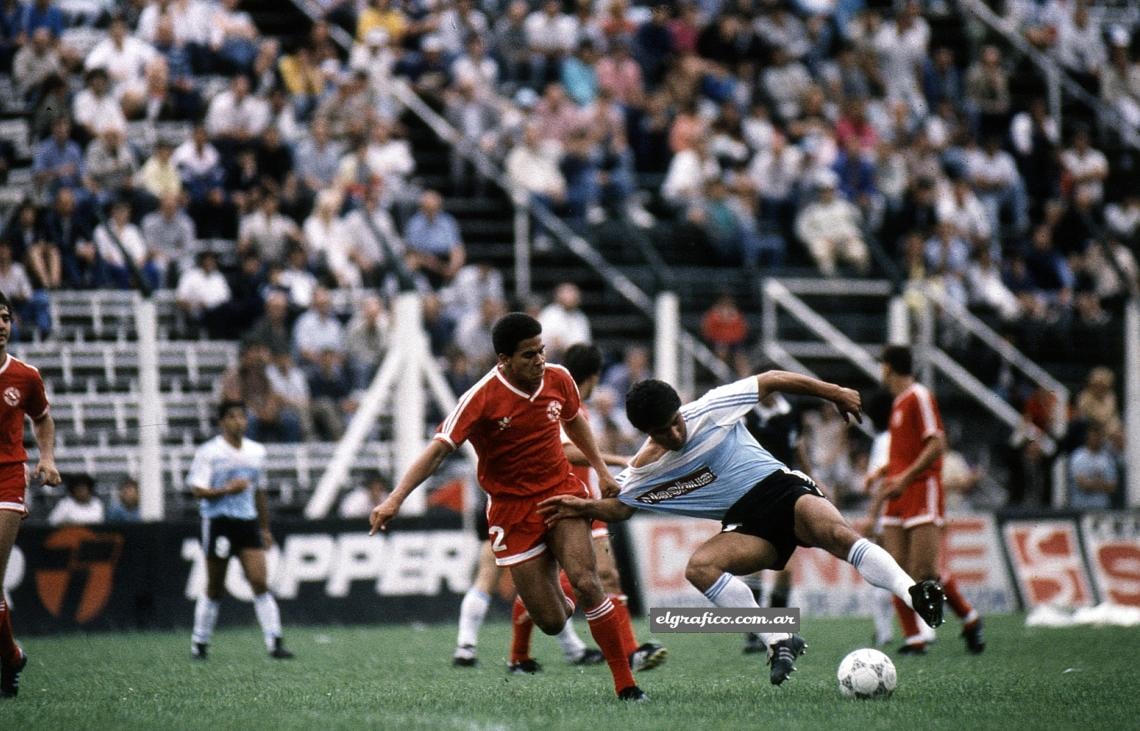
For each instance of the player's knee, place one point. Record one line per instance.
(702, 573)
(611, 582)
(550, 623)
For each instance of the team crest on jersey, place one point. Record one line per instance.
(12, 396)
(554, 410)
(504, 423)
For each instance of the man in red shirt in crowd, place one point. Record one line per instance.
(513, 417)
(21, 394)
(915, 503)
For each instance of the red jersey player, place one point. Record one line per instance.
(22, 394)
(915, 503)
(512, 417)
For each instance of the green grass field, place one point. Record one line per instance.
(400, 677)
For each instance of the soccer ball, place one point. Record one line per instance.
(867, 673)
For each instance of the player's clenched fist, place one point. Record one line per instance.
(382, 514)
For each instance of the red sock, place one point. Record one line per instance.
(628, 639)
(521, 627)
(606, 629)
(954, 597)
(908, 619)
(567, 589)
(9, 650)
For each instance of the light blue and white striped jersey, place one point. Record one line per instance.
(215, 463)
(719, 462)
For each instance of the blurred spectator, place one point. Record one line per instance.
(381, 15)
(31, 242)
(267, 232)
(987, 290)
(830, 229)
(1080, 47)
(232, 37)
(58, 161)
(125, 505)
(236, 117)
(579, 74)
(459, 22)
(202, 291)
(987, 92)
(79, 506)
(633, 367)
(1122, 218)
(1120, 84)
(358, 502)
(1094, 471)
(434, 244)
(70, 229)
(31, 307)
(290, 384)
(473, 333)
(473, 284)
(270, 419)
(1096, 403)
(533, 166)
(1035, 136)
(294, 277)
(118, 231)
(329, 245)
(34, 63)
(169, 233)
(317, 329)
(551, 35)
(689, 171)
(20, 233)
(509, 43)
(318, 157)
(724, 327)
(366, 226)
(994, 176)
(563, 322)
(121, 54)
(653, 45)
(273, 329)
(366, 341)
(330, 391)
(159, 174)
(941, 81)
(1086, 166)
(947, 259)
(619, 74)
(109, 167)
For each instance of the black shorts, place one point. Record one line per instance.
(768, 511)
(225, 537)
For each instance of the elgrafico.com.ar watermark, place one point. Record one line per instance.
(690, 619)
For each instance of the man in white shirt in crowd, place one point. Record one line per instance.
(563, 322)
(79, 506)
(831, 229)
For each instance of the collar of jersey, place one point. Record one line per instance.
(520, 392)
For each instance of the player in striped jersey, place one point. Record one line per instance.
(701, 461)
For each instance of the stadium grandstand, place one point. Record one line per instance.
(751, 183)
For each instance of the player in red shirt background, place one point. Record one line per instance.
(513, 418)
(915, 503)
(21, 394)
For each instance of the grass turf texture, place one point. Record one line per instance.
(401, 677)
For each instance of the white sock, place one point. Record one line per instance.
(730, 592)
(268, 617)
(472, 611)
(571, 644)
(883, 614)
(205, 619)
(880, 569)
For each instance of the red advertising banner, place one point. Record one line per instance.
(1047, 563)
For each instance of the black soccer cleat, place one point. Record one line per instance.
(464, 657)
(279, 652)
(647, 657)
(529, 666)
(199, 650)
(782, 658)
(10, 676)
(633, 693)
(589, 656)
(926, 597)
(913, 648)
(975, 640)
(753, 644)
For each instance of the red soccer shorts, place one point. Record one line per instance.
(13, 485)
(516, 530)
(921, 502)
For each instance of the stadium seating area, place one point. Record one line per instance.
(690, 143)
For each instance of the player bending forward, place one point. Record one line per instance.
(701, 461)
(512, 417)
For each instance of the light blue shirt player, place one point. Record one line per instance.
(217, 462)
(718, 464)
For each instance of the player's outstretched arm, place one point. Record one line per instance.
(559, 507)
(424, 467)
(847, 400)
(44, 430)
(578, 430)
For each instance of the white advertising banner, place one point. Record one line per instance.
(1047, 563)
(1112, 546)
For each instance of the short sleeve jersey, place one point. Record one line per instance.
(515, 434)
(21, 393)
(717, 465)
(914, 418)
(217, 462)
